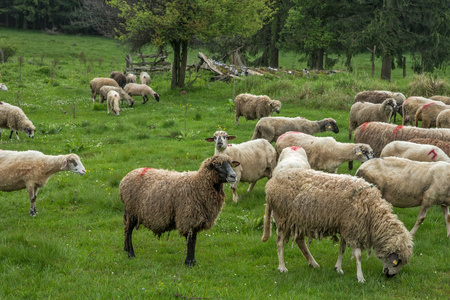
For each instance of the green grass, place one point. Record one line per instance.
(73, 248)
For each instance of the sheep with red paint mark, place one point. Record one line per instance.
(413, 151)
(407, 183)
(428, 114)
(292, 157)
(410, 107)
(163, 200)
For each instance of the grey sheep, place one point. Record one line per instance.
(97, 83)
(254, 107)
(123, 95)
(443, 119)
(444, 99)
(164, 200)
(119, 77)
(378, 134)
(135, 89)
(428, 114)
(407, 183)
(414, 151)
(379, 96)
(325, 153)
(362, 112)
(13, 118)
(314, 204)
(270, 128)
(257, 159)
(32, 169)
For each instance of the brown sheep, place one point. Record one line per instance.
(411, 105)
(428, 114)
(255, 107)
(164, 200)
(379, 97)
(97, 83)
(443, 119)
(313, 204)
(119, 77)
(444, 99)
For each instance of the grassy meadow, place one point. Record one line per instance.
(73, 248)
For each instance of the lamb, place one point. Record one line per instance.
(257, 159)
(144, 78)
(428, 114)
(97, 83)
(255, 107)
(325, 153)
(141, 89)
(378, 134)
(13, 118)
(362, 112)
(164, 200)
(407, 183)
(119, 77)
(123, 95)
(112, 102)
(411, 105)
(443, 145)
(271, 128)
(317, 204)
(3, 87)
(443, 119)
(32, 169)
(131, 78)
(413, 151)
(292, 157)
(444, 99)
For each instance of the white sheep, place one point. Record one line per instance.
(313, 204)
(144, 78)
(254, 107)
(413, 151)
(123, 95)
(291, 157)
(270, 128)
(257, 159)
(164, 200)
(97, 83)
(362, 112)
(131, 78)
(32, 169)
(135, 89)
(325, 153)
(112, 102)
(3, 87)
(13, 118)
(407, 183)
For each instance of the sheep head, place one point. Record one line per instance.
(220, 139)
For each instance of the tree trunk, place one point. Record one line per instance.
(274, 36)
(184, 56)
(386, 67)
(319, 59)
(404, 66)
(176, 63)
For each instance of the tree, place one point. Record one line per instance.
(177, 22)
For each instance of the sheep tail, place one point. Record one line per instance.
(256, 134)
(418, 114)
(267, 223)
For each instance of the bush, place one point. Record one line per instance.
(6, 50)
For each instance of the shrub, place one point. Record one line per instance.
(7, 49)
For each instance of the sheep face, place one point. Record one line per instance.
(392, 264)
(29, 131)
(363, 152)
(220, 140)
(73, 163)
(275, 106)
(332, 126)
(225, 171)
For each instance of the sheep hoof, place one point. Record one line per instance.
(339, 271)
(282, 269)
(190, 262)
(33, 212)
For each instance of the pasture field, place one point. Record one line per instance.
(73, 248)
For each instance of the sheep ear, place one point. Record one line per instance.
(235, 164)
(64, 164)
(231, 137)
(393, 257)
(209, 140)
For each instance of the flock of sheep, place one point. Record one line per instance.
(305, 196)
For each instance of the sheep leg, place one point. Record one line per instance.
(338, 266)
(305, 251)
(234, 186)
(359, 273)
(280, 248)
(420, 219)
(191, 238)
(14, 131)
(32, 193)
(251, 186)
(130, 224)
(145, 98)
(447, 219)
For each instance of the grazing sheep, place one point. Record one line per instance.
(378, 134)
(119, 77)
(413, 151)
(443, 119)
(255, 107)
(292, 157)
(428, 114)
(112, 102)
(443, 145)
(362, 112)
(271, 128)
(144, 78)
(325, 153)
(164, 200)
(32, 169)
(379, 97)
(313, 204)
(143, 90)
(257, 159)
(131, 78)
(13, 118)
(97, 83)
(411, 105)
(444, 99)
(3, 87)
(123, 95)
(407, 183)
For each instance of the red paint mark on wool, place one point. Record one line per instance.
(434, 154)
(229, 145)
(396, 130)
(287, 133)
(295, 148)
(428, 105)
(144, 171)
(363, 127)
